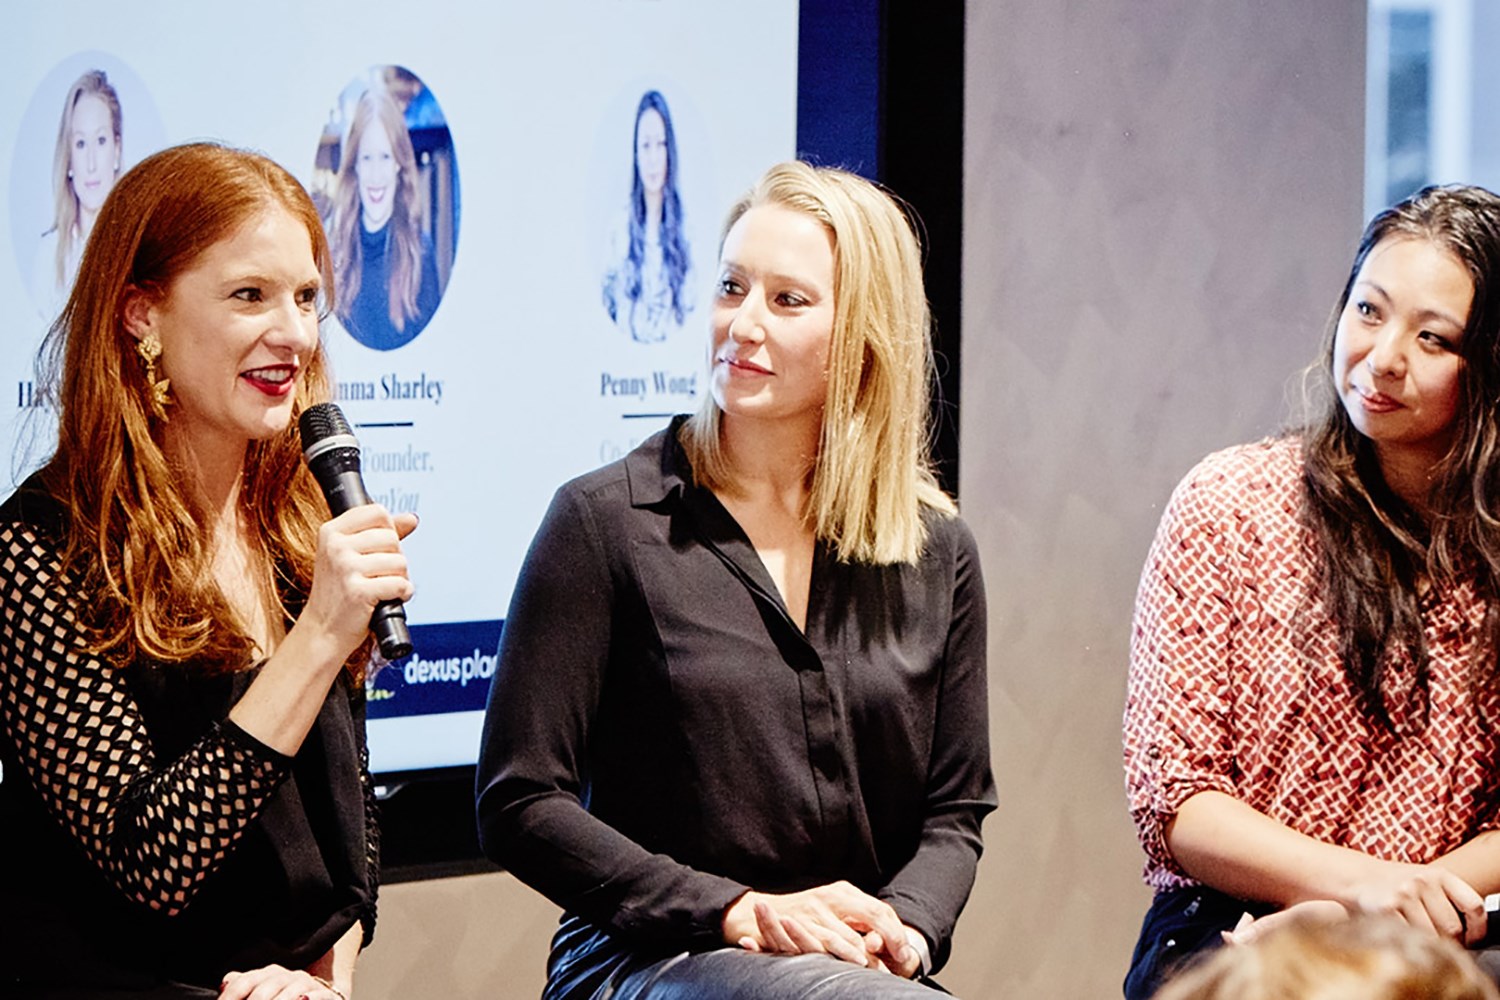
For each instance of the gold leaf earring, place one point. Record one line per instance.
(149, 348)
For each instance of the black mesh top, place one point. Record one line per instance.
(150, 840)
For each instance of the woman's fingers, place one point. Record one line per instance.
(1468, 904)
(837, 919)
(805, 931)
(369, 515)
(364, 542)
(773, 932)
(1432, 899)
(1313, 911)
(273, 982)
(360, 559)
(803, 940)
(864, 913)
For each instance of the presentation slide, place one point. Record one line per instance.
(510, 312)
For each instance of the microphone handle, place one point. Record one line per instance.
(345, 490)
(388, 622)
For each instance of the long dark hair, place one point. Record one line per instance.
(1377, 552)
(674, 244)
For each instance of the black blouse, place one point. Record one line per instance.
(151, 841)
(661, 736)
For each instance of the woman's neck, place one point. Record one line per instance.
(213, 476)
(86, 217)
(767, 495)
(1408, 475)
(770, 458)
(216, 481)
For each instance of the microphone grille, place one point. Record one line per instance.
(320, 421)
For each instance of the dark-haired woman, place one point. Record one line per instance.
(646, 286)
(182, 636)
(1313, 701)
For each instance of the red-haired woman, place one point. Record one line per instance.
(182, 637)
(386, 272)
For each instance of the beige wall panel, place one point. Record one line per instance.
(483, 937)
(1160, 204)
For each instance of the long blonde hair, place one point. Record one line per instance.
(135, 540)
(873, 475)
(66, 213)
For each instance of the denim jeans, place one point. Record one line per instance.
(1181, 924)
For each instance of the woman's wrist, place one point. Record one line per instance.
(343, 992)
(1348, 876)
(739, 919)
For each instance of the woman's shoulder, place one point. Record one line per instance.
(33, 506)
(1269, 465)
(45, 290)
(947, 541)
(645, 474)
(945, 523)
(1262, 477)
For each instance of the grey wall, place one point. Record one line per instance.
(1161, 199)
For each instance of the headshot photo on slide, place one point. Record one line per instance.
(386, 182)
(88, 121)
(647, 285)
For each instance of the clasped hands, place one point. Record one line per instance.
(836, 919)
(273, 982)
(1428, 897)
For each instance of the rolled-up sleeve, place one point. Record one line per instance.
(1176, 735)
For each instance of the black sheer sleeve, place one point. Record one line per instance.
(156, 828)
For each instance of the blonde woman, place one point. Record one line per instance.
(738, 732)
(85, 166)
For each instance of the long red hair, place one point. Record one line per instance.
(136, 542)
(377, 109)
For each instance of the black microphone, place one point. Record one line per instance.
(1492, 922)
(332, 453)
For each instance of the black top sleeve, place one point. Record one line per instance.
(930, 890)
(661, 736)
(156, 828)
(554, 651)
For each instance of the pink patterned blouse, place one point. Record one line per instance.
(1236, 684)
